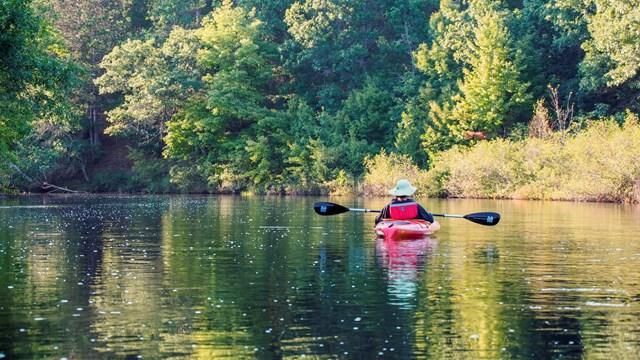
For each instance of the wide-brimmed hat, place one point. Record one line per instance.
(403, 188)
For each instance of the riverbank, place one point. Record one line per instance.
(600, 164)
(596, 164)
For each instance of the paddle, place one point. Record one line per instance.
(483, 218)
(327, 208)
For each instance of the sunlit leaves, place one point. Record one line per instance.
(229, 127)
(165, 14)
(312, 22)
(35, 80)
(155, 81)
(441, 61)
(613, 51)
(491, 89)
(473, 75)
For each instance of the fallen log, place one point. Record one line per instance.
(46, 186)
(43, 184)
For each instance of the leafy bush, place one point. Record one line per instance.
(605, 161)
(492, 169)
(341, 185)
(110, 181)
(599, 163)
(150, 174)
(383, 170)
(544, 169)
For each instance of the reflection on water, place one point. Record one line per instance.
(404, 262)
(231, 277)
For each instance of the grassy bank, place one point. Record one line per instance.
(599, 163)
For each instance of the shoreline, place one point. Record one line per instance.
(329, 196)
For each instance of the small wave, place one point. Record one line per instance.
(593, 303)
(608, 291)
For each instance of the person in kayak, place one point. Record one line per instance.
(403, 207)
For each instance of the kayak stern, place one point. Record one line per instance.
(403, 229)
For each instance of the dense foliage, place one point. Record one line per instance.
(36, 78)
(302, 96)
(597, 164)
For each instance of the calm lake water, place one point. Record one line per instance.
(232, 277)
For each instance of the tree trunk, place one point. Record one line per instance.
(83, 168)
(94, 128)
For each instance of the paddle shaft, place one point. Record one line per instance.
(489, 219)
(377, 211)
(364, 210)
(448, 215)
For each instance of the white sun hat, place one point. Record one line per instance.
(403, 188)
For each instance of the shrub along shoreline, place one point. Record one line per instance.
(599, 163)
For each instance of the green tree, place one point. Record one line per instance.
(612, 52)
(363, 126)
(36, 78)
(272, 14)
(155, 79)
(492, 94)
(426, 126)
(371, 43)
(307, 158)
(91, 29)
(165, 14)
(548, 36)
(557, 30)
(18, 25)
(365, 39)
(225, 129)
(155, 82)
(472, 72)
(321, 28)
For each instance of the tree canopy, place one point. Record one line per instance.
(294, 95)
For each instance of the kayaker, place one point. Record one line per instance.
(403, 207)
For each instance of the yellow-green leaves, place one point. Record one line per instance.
(155, 79)
(316, 21)
(225, 129)
(613, 51)
(491, 88)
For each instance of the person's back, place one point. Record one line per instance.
(404, 207)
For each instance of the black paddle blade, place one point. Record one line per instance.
(327, 208)
(484, 218)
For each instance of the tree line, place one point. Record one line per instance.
(293, 96)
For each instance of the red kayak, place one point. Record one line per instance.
(403, 229)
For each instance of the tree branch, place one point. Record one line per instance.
(43, 185)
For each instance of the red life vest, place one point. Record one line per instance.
(403, 210)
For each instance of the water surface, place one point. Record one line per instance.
(265, 277)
